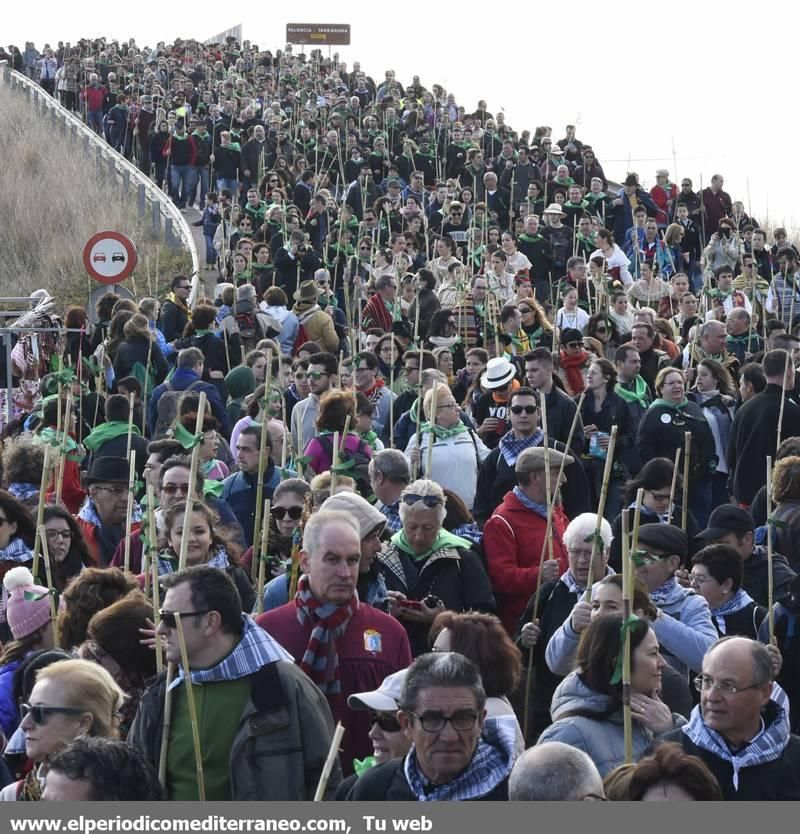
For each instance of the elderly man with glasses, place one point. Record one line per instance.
(457, 753)
(740, 729)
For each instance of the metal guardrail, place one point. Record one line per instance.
(175, 225)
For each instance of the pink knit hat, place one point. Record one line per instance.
(28, 607)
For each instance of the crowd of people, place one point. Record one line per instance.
(437, 346)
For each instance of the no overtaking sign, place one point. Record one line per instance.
(109, 257)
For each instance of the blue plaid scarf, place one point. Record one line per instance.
(255, 650)
(490, 765)
(168, 562)
(23, 491)
(511, 448)
(88, 513)
(392, 513)
(664, 592)
(767, 746)
(15, 551)
(539, 509)
(741, 599)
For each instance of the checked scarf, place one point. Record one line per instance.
(767, 746)
(16, 552)
(321, 660)
(255, 650)
(23, 491)
(741, 599)
(662, 594)
(168, 562)
(511, 448)
(490, 765)
(539, 509)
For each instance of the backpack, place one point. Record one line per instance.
(167, 409)
(360, 469)
(247, 324)
(145, 376)
(300, 339)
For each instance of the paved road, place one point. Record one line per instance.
(208, 279)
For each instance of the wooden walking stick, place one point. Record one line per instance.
(770, 576)
(674, 484)
(601, 506)
(187, 682)
(783, 397)
(147, 552)
(627, 592)
(262, 463)
(129, 512)
(391, 401)
(333, 752)
(190, 498)
(262, 557)
(50, 588)
(432, 432)
(334, 461)
(64, 441)
(165, 727)
(157, 616)
(40, 509)
(687, 451)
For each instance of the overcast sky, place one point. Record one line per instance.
(705, 85)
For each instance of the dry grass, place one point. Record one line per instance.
(53, 198)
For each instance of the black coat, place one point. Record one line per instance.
(692, 529)
(496, 478)
(775, 780)
(754, 437)
(129, 353)
(172, 321)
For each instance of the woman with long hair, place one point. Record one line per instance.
(139, 354)
(535, 324)
(467, 388)
(68, 552)
(334, 409)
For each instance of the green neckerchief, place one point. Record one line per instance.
(443, 433)
(393, 309)
(370, 438)
(214, 488)
(55, 438)
(673, 406)
(108, 431)
(586, 238)
(582, 205)
(595, 198)
(231, 146)
(531, 238)
(327, 301)
(640, 395)
(567, 181)
(443, 539)
(744, 339)
(202, 332)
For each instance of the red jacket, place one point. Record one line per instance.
(374, 646)
(512, 542)
(661, 197)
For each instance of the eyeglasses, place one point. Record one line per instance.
(386, 721)
(316, 374)
(55, 535)
(294, 513)
(174, 489)
(40, 715)
(428, 500)
(434, 723)
(528, 409)
(409, 369)
(450, 406)
(703, 683)
(114, 490)
(168, 617)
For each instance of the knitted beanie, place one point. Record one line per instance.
(28, 607)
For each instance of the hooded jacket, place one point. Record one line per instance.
(602, 738)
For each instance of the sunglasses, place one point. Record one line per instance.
(316, 374)
(528, 409)
(387, 722)
(428, 500)
(40, 715)
(294, 513)
(168, 617)
(174, 489)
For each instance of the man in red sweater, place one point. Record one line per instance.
(342, 644)
(514, 536)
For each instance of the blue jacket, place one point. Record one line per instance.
(180, 381)
(623, 216)
(239, 491)
(9, 715)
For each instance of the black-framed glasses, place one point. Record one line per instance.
(114, 490)
(39, 714)
(528, 409)
(55, 535)
(702, 683)
(168, 617)
(386, 721)
(461, 722)
(294, 513)
(428, 500)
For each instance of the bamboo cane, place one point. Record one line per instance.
(64, 439)
(626, 649)
(783, 397)
(601, 506)
(157, 616)
(674, 485)
(333, 752)
(770, 576)
(187, 681)
(391, 401)
(165, 727)
(262, 463)
(190, 498)
(129, 512)
(687, 451)
(432, 433)
(334, 461)
(50, 588)
(637, 516)
(262, 557)
(418, 431)
(151, 537)
(40, 510)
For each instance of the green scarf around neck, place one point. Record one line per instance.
(108, 431)
(674, 406)
(443, 539)
(441, 432)
(640, 393)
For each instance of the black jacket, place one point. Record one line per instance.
(775, 780)
(496, 478)
(388, 783)
(560, 414)
(692, 529)
(129, 353)
(172, 321)
(754, 437)
(755, 580)
(613, 412)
